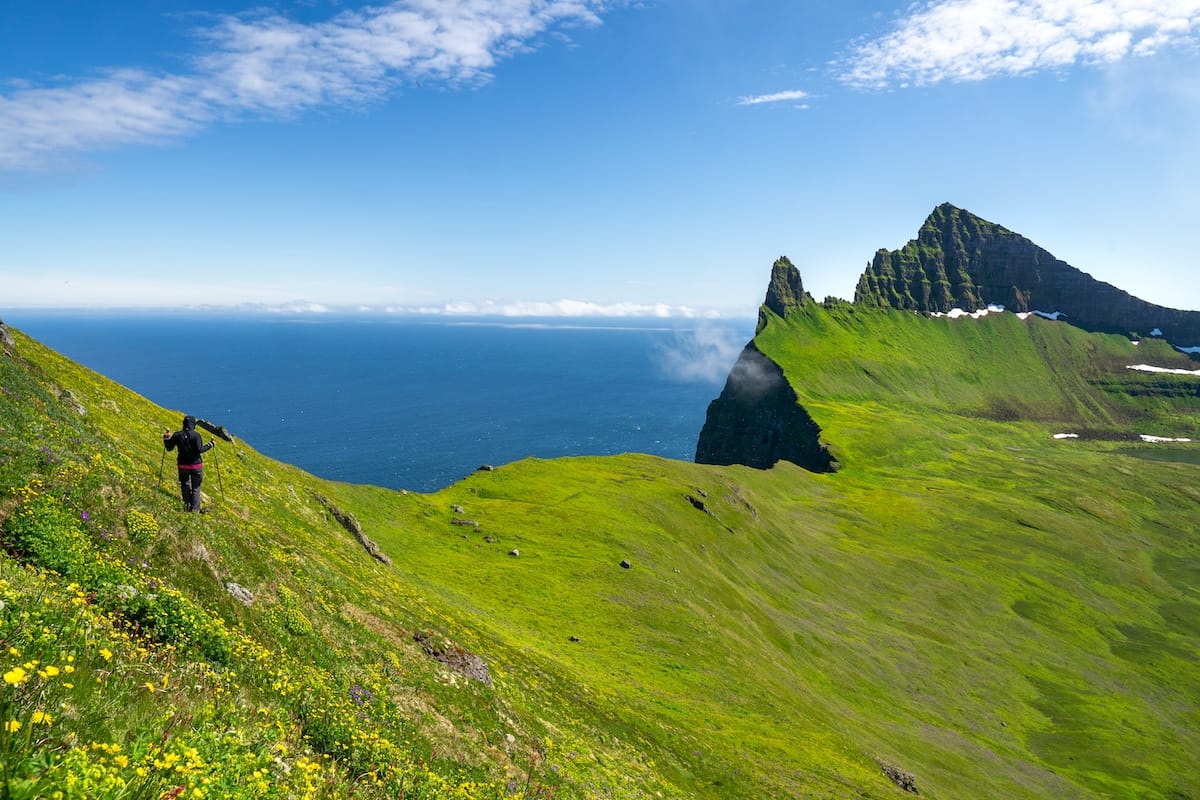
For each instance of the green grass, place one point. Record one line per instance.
(996, 612)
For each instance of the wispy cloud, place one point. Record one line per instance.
(777, 97)
(520, 309)
(558, 308)
(267, 64)
(124, 106)
(702, 355)
(971, 40)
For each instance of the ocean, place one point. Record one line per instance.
(413, 403)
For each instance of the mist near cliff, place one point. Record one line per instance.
(704, 354)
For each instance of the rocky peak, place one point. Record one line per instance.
(959, 260)
(786, 290)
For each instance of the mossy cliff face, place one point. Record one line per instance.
(961, 261)
(757, 420)
(785, 291)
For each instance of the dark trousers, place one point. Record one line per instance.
(189, 487)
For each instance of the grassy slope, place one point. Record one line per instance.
(998, 613)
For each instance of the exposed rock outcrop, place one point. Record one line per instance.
(240, 593)
(215, 429)
(68, 399)
(757, 421)
(786, 289)
(899, 776)
(350, 523)
(454, 657)
(961, 261)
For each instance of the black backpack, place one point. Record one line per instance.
(189, 447)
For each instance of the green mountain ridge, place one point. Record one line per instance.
(959, 260)
(969, 608)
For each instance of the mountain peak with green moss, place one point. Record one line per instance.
(960, 260)
(785, 291)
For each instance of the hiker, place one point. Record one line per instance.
(191, 466)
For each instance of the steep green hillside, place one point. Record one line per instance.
(891, 386)
(970, 606)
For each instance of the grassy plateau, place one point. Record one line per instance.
(969, 608)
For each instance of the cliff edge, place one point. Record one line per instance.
(757, 420)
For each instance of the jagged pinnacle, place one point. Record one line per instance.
(786, 290)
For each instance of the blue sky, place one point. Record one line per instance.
(579, 156)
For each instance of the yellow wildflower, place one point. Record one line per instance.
(106, 654)
(41, 717)
(12, 726)
(16, 676)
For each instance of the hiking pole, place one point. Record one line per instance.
(161, 461)
(217, 469)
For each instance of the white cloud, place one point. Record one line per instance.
(267, 64)
(124, 106)
(970, 40)
(558, 308)
(46, 288)
(297, 307)
(777, 97)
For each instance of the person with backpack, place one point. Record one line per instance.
(189, 445)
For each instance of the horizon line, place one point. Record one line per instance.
(620, 311)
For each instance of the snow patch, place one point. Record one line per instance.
(1168, 370)
(1156, 332)
(956, 313)
(995, 308)
(1145, 437)
(1188, 349)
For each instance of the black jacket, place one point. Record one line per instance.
(189, 444)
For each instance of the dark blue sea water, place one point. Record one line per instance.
(413, 403)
